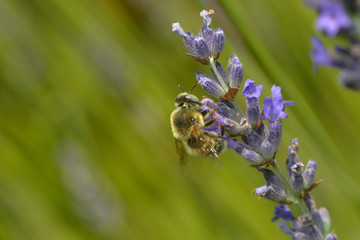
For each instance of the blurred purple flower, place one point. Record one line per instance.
(332, 18)
(319, 54)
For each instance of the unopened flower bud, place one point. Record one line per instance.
(350, 78)
(310, 203)
(293, 148)
(176, 28)
(290, 162)
(272, 178)
(284, 212)
(297, 184)
(272, 192)
(331, 236)
(297, 168)
(297, 181)
(235, 72)
(217, 43)
(210, 85)
(262, 130)
(252, 139)
(309, 174)
(223, 109)
(323, 220)
(284, 228)
(275, 132)
(252, 113)
(201, 48)
(236, 145)
(299, 236)
(313, 232)
(252, 157)
(267, 150)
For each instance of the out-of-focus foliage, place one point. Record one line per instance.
(86, 90)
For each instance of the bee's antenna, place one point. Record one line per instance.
(198, 82)
(181, 87)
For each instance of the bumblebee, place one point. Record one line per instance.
(187, 123)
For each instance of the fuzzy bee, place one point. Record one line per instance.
(187, 123)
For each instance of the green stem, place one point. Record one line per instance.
(218, 75)
(236, 105)
(294, 198)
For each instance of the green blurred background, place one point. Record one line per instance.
(86, 148)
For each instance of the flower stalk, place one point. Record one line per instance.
(255, 137)
(212, 65)
(295, 199)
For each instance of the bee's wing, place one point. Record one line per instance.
(205, 142)
(207, 147)
(180, 150)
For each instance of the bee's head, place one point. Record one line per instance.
(184, 99)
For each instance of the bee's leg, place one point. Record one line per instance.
(222, 131)
(231, 133)
(211, 134)
(205, 113)
(212, 120)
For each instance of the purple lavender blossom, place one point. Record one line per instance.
(284, 212)
(319, 54)
(252, 94)
(273, 107)
(207, 44)
(332, 18)
(274, 189)
(250, 90)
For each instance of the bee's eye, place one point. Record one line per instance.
(181, 104)
(193, 121)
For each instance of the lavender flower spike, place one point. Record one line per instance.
(273, 107)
